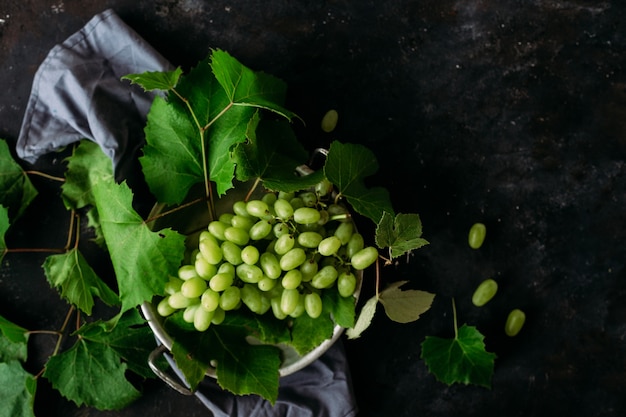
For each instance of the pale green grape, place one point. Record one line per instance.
(275, 306)
(221, 281)
(346, 283)
(355, 244)
(260, 230)
(324, 217)
(173, 285)
(289, 300)
(266, 284)
(237, 235)
(231, 252)
(323, 187)
(193, 287)
(299, 310)
(203, 268)
(313, 305)
(329, 121)
(325, 277)
(329, 246)
(252, 298)
(226, 268)
(202, 319)
(205, 234)
(286, 195)
(269, 199)
(230, 298)
(257, 208)
(218, 316)
(476, 235)
(217, 228)
(485, 291)
(190, 312)
(251, 274)
(309, 239)
(186, 272)
(210, 299)
(164, 308)
(242, 222)
(292, 279)
(179, 301)
(309, 198)
(364, 258)
(514, 322)
(211, 251)
(240, 208)
(308, 269)
(292, 259)
(284, 244)
(265, 304)
(226, 218)
(270, 265)
(296, 203)
(280, 229)
(250, 255)
(306, 215)
(344, 232)
(283, 209)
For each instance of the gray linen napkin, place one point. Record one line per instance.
(77, 94)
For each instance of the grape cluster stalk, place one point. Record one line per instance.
(273, 254)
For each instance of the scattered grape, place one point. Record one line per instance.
(484, 292)
(514, 322)
(476, 236)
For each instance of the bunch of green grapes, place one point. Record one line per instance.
(276, 253)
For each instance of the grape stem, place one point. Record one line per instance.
(43, 174)
(456, 328)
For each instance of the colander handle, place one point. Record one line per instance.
(175, 384)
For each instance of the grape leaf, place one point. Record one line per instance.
(346, 167)
(364, 320)
(4, 226)
(131, 339)
(462, 359)
(400, 234)
(16, 190)
(272, 154)
(307, 333)
(13, 341)
(405, 306)
(247, 87)
(17, 390)
(91, 373)
(142, 259)
(155, 80)
(340, 308)
(78, 282)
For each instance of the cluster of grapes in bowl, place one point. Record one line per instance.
(276, 253)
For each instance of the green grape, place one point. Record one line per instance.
(210, 299)
(226, 218)
(202, 319)
(266, 284)
(193, 287)
(299, 310)
(265, 304)
(309, 239)
(190, 312)
(514, 322)
(325, 277)
(292, 259)
(296, 203)
(324, 217)
(484, 292)
(283, 209)
(186, 272)
(205, 234)
(329, 121)
(337, 210)
(355, 244)
(289, 300)
(203, 268)
(173, 285)
(221, 281)
(164, 308)
(329, 246)
(230, 298)
(257, 208)
(218, 316)
(309, 198)
(251, 274)
(270, 265)
(240, 208)
(308, 269)
(231, 252)
(237, 235)
(179, 301)
(292, 279)
(226, 268)
(244, 223)
(364, 258)
(286, 195)
(269, 198)
(346, 283)
(313, 305)
(217, 228)
(306, 215)
(252, 298)
(476, 235)
(280, 229)
(250, 255)
(323, 188)
(275, 306)
(284, 244)
(344, 232)
(260, 230)
(211, 251)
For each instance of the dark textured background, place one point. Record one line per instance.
(508, 112)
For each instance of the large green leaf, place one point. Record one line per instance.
(347, 165)
(307, 333)
(17, 390)
(91, 373)
(16, 190)
(400, 234)
(78, 282)
(462, 359)
(142, 259)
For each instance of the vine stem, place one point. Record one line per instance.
(377, 277)
(175, 209)
(456, 328)
(43, 174)
(256, 183)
